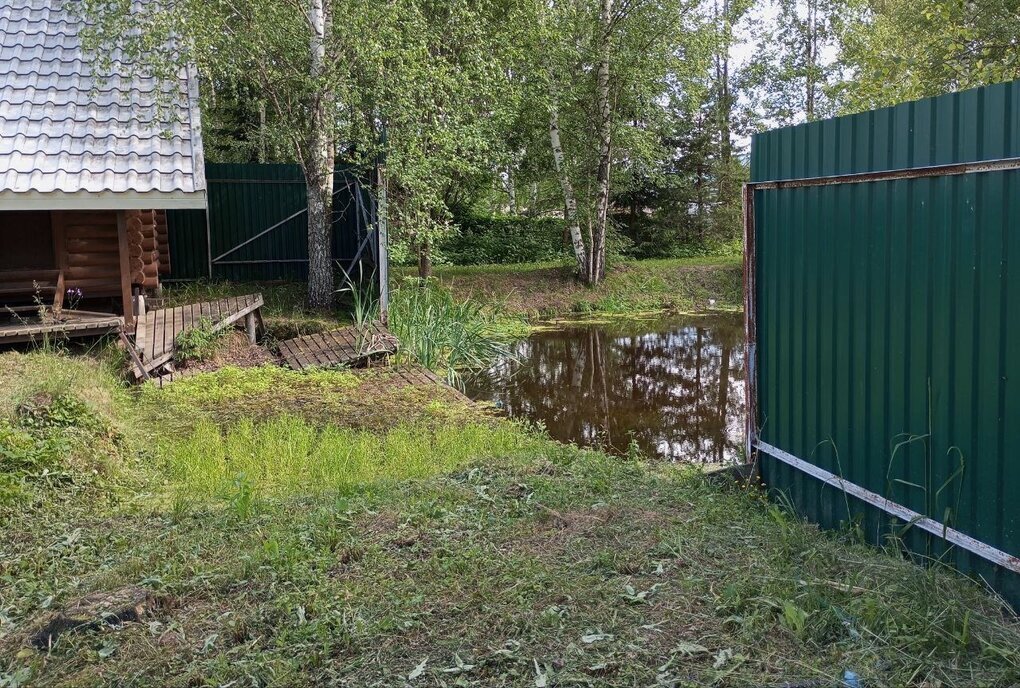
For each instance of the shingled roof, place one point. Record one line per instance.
(73, 138)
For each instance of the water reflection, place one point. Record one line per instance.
(675, 387)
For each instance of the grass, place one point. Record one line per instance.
(545, 290)
(288, 455)
(443, 333)
(530, 290)
(284, 546)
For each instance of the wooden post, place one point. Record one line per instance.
(125, 269)
(59, 255)
(249, 326)
(383, 257)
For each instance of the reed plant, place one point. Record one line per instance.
(445, 334)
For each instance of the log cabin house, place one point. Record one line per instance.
(89, 164)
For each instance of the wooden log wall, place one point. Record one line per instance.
(90, 258)
(88, 251)
(144, 247)
(162, 242)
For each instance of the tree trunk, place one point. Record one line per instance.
(424, 261)
(511, 190)
(597, 267)
(811, 49)
(318, 168)
(569, 201)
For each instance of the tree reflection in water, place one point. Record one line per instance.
(676, 387)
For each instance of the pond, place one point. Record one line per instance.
(674, 387)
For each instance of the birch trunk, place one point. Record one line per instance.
(569, 201)
(597, 266)
(318, 167)
(511, 190)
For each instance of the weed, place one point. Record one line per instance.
(200, 343)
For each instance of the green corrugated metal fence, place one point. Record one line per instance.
(885, 315)
(247, 199)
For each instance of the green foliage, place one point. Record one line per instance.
(899, 50)
(200, 343)
(490, 240)
(443, 333)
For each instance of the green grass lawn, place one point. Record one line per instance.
(543, 290)
(330, 529)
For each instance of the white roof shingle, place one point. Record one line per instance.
(71, 138)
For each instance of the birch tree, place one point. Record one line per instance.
(605, 66)
(795, 65)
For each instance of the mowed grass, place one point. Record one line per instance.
(292, 549)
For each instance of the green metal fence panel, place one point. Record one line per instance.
(886, 321)
(189, 245)
(246, 200)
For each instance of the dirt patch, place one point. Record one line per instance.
(90, 612)
(232, 350)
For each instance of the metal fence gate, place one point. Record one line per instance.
(256, 225)
(883, 324)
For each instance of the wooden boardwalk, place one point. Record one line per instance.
(156, 333)
(29, 328)
(415, 375)
(347, 346)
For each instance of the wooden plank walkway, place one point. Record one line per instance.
(65, 326)
(419, 376)
(346, 346)
(156, 334)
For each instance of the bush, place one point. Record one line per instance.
(486, 240)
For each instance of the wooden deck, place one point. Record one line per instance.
(156, 333)
(69, 324)
(347, 346)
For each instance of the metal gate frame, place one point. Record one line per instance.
(754, 446)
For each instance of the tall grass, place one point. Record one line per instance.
(290, 456)
(364, 302)
(445, 334)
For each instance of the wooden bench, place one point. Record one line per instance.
(27, 290)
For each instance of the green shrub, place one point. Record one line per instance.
(488, 240)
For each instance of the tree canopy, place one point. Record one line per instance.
(628, 120)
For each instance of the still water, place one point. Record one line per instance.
(675, 387)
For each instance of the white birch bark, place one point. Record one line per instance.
(569, 200)
(511, 190)
(597, 266)
(318, 166)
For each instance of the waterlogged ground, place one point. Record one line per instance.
(295, 544)
(673, 387)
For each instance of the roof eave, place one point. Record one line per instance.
(102, 200)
